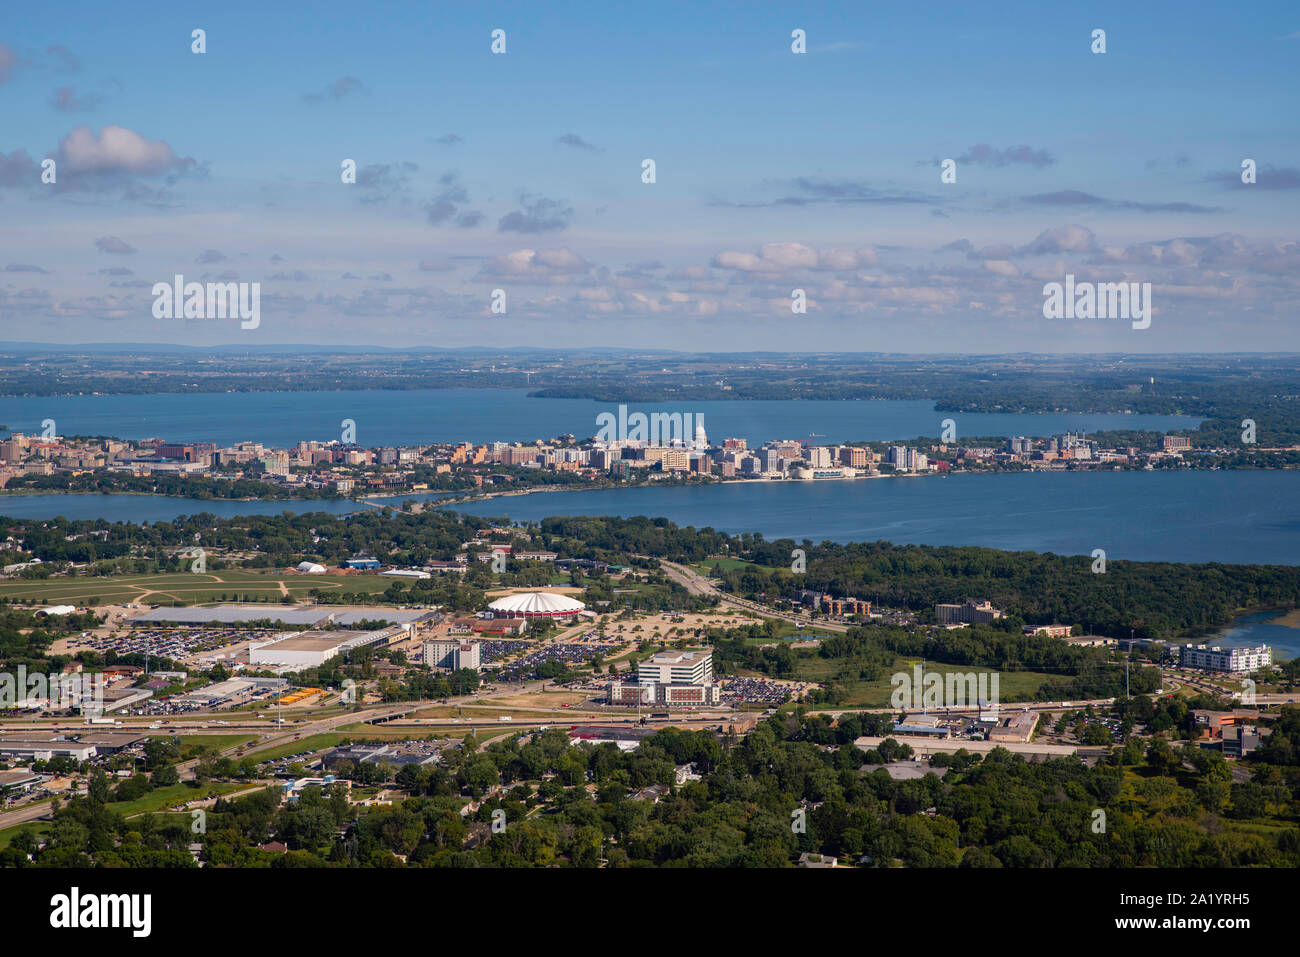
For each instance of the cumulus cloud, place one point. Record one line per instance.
(1266, 177)
(1078, 198)
(210, 256)
(379, 182)
(958, 246)
(1000, 267)
(746, 262)
(789, 255)
(116, 149)
(997, 251)
(814, 190)
(1061, 239)
(23, 267)
(839, 260)
(337, 90)
(783, 257)
(114, 246)
(574, 141)
(537, 215)
(448, 206)
(449, 139)
(981, 154)
(699, 273)
(18, 169)
(541, 265)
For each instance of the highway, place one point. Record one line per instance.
(697, 584)
(273, 735)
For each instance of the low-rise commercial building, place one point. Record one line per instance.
(1235, 660)
(1018, 726)
(45, 748)
(627, 739)
(1051, 631)
(18, 781)
(970, 612)
(394, 754)
(111, 742)
(311, 649)
(1240, 740)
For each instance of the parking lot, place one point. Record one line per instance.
(174, 643)
(525, 669)
(736, 691)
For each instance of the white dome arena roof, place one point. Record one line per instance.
(532, 603)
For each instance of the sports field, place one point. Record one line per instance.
(188, 588)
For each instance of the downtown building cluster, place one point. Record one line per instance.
(348, 469)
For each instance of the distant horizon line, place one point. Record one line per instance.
(291, 348)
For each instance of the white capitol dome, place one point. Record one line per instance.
(535, 604)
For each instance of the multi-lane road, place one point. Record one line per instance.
(697, 584)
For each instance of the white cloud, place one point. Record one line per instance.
(116, 150)
(790, 255)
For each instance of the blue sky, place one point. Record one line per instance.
(775, 171)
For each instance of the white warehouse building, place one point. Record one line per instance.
(311, 649)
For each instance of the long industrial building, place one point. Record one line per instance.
(45, 748)
(303, 616)
(311, 649)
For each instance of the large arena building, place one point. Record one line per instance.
(536, 604)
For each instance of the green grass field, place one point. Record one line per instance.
(37, 829)
(192, 744)
(787, 629)
(313, 742)
(1012, 685)
(726, 564)
(190, 589)
(160, 798)
(156, 800)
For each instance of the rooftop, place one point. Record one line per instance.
(316, 640)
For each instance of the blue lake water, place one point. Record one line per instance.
(1236, 517)
(1260, 628)
(1231, 516)
(282, 419)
